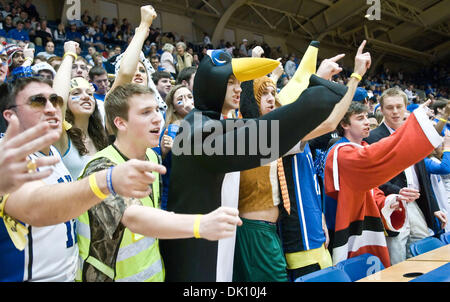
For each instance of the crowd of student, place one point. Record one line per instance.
(110, 118)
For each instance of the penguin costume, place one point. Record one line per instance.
(200, 182)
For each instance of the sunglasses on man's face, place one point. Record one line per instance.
(39, 101)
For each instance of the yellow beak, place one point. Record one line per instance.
(246, 69)
(300, 80)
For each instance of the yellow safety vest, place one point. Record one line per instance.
(138, 258)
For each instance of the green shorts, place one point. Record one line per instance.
(258, 255)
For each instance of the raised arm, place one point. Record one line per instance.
(443, 167)
(131, 55)
(327, 69)
(442, 122)
(61, 83)
(388, 157)
(269, 137)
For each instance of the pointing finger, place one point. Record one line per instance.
(337, 58)
(361, 47)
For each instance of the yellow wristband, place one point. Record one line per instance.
(443, 120)
(95, 189)
(197, 226)
(69, 53)
(356, 76)
(3, 200)
(446, 150)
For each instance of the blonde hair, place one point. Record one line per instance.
(171, 115)
(395, 91)
(168, 47)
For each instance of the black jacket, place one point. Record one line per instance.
(196, 180)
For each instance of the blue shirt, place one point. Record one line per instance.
(18, 35)
(73, 35)
(302, 229)
(330, 204)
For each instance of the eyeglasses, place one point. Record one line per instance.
(39, 101)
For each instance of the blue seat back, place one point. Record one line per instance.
(440, 274)
(329, 274)
(425, 245)
(361, 266)
(445, 238)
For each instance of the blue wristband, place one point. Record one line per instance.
(109, 181)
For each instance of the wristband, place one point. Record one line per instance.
(69, 53)
(443, 120)
(197, 226)
(95, 189)
(109, 181)
(356, 76)
(446, 150)
(3, 200)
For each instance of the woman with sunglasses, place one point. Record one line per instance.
(83, 132)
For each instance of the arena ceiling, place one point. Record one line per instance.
(418, 30)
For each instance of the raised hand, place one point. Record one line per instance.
(257, 52)
(166, 143)
(329, 67)
(71, 46)
(148, 14)
(362, 60)
(14, 149)
(28, 52)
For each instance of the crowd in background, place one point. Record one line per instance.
(32, 45)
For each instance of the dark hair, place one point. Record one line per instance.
(160, 75)
(185, 74)
(355, 108)
(96, 131)
(10, 90)
(96, 71)
(439, 104)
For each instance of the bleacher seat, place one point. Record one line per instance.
(329, 274)
(425, 245)
(440, 274)
(445, 238)
(361, 266)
